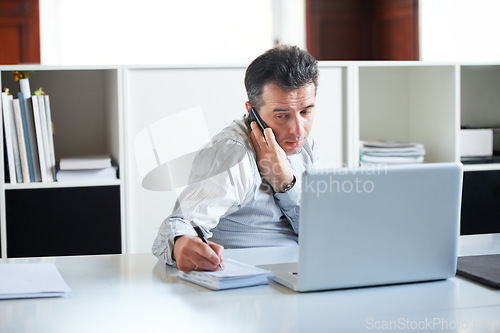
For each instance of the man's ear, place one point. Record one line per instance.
(248, 105)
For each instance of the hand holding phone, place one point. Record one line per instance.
(254, 116)
(272, 162)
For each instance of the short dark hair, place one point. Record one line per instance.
(287, 66)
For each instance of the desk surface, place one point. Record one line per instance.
(135, 293)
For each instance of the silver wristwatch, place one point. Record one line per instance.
(289, 186)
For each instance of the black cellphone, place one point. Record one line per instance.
(254, 116)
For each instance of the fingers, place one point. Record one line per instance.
(273, 165)
(262, 140)
(271, 140)
(257, 137)
(260, 137)
(219, 250)
(202, 263)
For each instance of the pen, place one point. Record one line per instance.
(200, 235)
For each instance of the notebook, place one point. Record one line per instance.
(234, 275)
(376, 225)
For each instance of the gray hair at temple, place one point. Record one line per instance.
(287, 66)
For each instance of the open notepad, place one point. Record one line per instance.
(234, 275)
(31, 280)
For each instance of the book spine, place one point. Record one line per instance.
(27, 140)
(30, 121)
(11, 139)
(50, 134)
(39, 138)
(23, 155)
(49, 167)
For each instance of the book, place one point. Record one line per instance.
(39, 138)
(85, 162)
(234, 275)
(484, 269)
(45, 101)
(31, 280)
(109, 173)
(14, 163)
(49, 166)
(30, 138)
(23, 154)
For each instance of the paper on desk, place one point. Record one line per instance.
(233, 268)
(23, 280)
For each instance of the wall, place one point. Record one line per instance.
(459, 30)
(226, 31)
(98, 32)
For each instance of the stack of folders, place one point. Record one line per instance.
(86, 168)
(234, 275)
(391, 152)
(29, 145)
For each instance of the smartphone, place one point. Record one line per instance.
(254, 116)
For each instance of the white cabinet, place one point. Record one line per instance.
(69, 218)
(99, 110)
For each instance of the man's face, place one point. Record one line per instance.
(290, 114)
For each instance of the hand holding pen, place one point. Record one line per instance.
(192, 253)
(202, 237)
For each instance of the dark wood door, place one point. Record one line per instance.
(362, 29)
(19, 32)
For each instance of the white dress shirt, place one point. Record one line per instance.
(229, 200)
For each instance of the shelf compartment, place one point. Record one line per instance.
(63, 221)
(481, 194)
(413, 103)
(84, 107)
(480, 96)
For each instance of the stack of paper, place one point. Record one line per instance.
(86, 168)
(31, 280)
(390, 152)
(234, 275)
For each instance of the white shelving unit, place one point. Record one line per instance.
(99, 110)
(86, 108)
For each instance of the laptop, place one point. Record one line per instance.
(376, 225)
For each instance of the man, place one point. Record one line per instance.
(245, 186)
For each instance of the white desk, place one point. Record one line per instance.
(134, 293)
